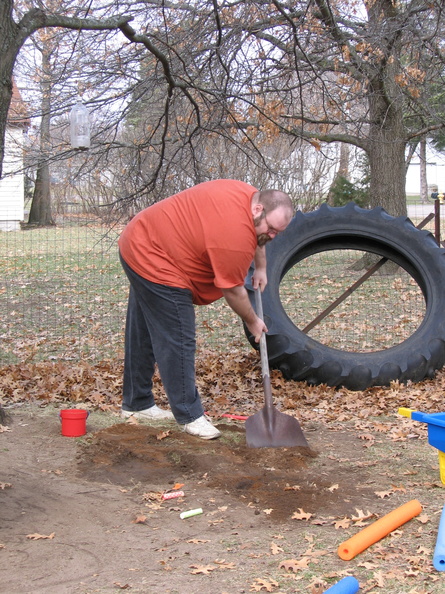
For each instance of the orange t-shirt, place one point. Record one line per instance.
(202, 239)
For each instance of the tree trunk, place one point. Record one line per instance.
(40, 213)
(343, 169)
(386, 147)
(387, 175)
(8, 52)
(387, 141)
(423, 180)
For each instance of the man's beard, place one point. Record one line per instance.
(263, 238)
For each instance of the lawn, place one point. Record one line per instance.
(63, 295)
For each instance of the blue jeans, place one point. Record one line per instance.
(160, 328)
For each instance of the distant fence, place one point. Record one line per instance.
(63, 293)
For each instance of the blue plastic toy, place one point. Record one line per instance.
(348, 585)
(436, 432)
(439, 551)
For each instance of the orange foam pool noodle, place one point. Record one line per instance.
(376, 531)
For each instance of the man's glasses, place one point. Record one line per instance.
(269, 228)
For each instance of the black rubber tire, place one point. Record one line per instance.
(298, 356)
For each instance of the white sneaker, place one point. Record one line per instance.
(152, 413)
(203, 428)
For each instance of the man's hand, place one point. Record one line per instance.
(238, 300)
(259, 277)
(257, 329)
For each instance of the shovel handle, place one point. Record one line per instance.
(263, 344)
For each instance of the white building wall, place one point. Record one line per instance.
(12, 190)
(435, 172)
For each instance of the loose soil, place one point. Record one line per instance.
(84, 515)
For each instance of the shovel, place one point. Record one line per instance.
(270, 428)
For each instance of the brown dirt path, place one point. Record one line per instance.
(96, 500)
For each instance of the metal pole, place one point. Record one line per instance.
(437, 221)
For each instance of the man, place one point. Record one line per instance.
(191, 248)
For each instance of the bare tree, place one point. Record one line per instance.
(17, 28)
(247, 73)
(40, 212)
(321, 72)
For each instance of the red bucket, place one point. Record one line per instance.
(74, 422)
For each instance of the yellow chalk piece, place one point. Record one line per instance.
(406, 412)
(190, 513)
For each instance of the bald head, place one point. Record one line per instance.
(272, 212)
(272, 199)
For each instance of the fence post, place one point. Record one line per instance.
(437, 221)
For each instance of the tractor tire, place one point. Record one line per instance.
(302, 358)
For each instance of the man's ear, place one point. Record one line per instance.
(257, 209)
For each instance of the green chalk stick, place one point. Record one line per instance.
(190, 513)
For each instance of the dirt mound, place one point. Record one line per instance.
(280, 479)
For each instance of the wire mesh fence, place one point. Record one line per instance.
(63, 296)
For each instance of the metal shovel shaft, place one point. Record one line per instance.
(263, 352)
(269, 427)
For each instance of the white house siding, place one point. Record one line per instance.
(435, 172)
(12, 184)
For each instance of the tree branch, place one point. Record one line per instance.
(36, 19)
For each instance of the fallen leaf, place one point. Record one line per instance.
(369, 437)
(223, 564)
(275, 549)
(345, 523)
(314, 553)
(401, 488)
(383, 494)
(163, 435)
(333, 488)
(267, 586)
(268, 511)
(295, 564)
(367, 565)
(380, 580)
(152, 496)
(301, 515)
(204, 569)
(139, 519)
(37, 536)
(196, 541)
(5, 485)
(132, 421)
(292, 488)
(154, 505)
(361, 516)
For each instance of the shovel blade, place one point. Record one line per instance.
(270, 428)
